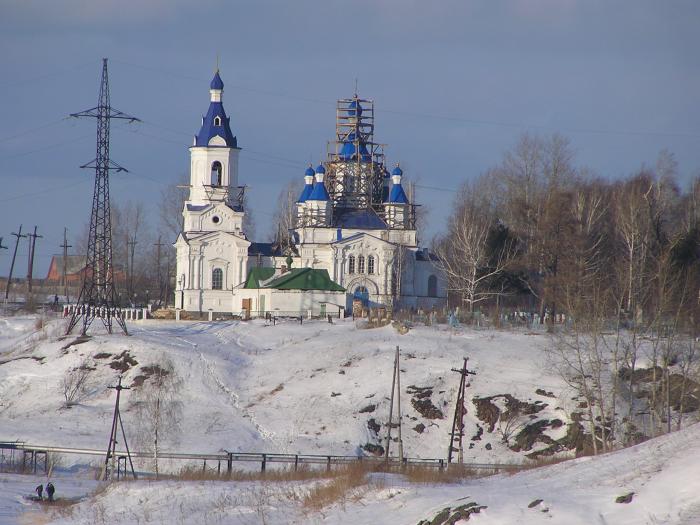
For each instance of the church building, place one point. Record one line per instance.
(355, 234)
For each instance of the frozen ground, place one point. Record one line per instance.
(292, 388)
(662, 474)
(285, 388)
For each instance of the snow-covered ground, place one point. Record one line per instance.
(287, 388)
(662, 474)
(309, 388)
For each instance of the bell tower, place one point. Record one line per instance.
(214, 153)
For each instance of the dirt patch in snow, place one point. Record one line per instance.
(420, 400)
(123, 362)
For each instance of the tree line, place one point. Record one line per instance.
(619, 260)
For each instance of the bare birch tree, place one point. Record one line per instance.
(465, 254)
(159, 409)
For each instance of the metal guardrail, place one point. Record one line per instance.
(32, 452)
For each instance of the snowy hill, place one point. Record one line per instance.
(661, 475)
(311, 388)
(323, 388)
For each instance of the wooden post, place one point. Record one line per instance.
(398, 401)
(391, 413)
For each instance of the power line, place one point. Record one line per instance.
(28, 131)
(455, 118)
(46, 148)
(33, 80)
(46, 190)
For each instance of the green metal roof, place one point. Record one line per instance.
(255, 275)
(294, 279)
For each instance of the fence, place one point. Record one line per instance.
(23, 457)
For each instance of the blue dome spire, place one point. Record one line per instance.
(319, 192)
(308, 185)
(215, 123)
(216, 82)
(397, 195)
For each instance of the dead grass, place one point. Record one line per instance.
(544, 461)
(303, 473)
(348, 484)
(432, 475)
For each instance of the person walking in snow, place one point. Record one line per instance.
(40, 491)
(50, 490)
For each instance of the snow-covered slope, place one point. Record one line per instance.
(308, 388)
(662, 473)
(284, 388)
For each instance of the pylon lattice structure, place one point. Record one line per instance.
(98, 297)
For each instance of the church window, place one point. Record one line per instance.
(361, 264)
(217, 279)
(432, 286)
(216, 172)
(351, 264)
(215, 219)
(370, 264)
(217, 121)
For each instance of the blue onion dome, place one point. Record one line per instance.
(354, 108)
(320, 169)
(216, 82)
(397, 171)
(309, 171)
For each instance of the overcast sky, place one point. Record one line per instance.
(454, 83)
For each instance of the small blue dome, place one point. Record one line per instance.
(320, 169)
(309, 172)
(397, 171)
(216, 82)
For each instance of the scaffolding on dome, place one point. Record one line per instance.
(356, 173)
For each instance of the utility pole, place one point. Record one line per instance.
(12, 264)
(167, 280)
(130, 248)
(457, 433)
(30, 267)
(65, 247)
(395, 391)
(112, 446)
(158, 266)
(98, 296)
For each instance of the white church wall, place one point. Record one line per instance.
(289, 301)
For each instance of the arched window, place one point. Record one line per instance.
(217, 121)
(370, 264)
(351, 264)
(432, 286)
(217, 279)
(361, 264)
(216, 171)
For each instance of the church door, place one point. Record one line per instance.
(246, 305)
